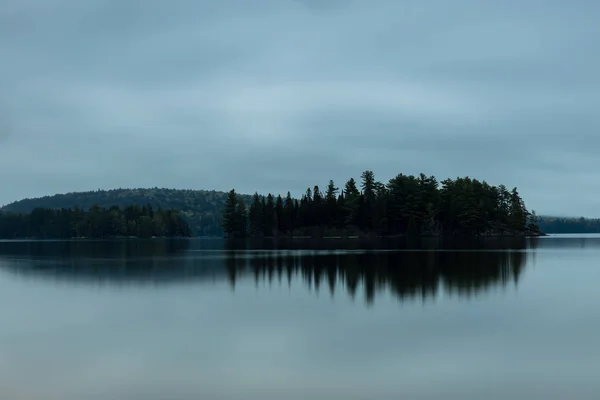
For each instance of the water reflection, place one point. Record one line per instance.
(569, 241)
(407, 275)
(93, 248)
(157, 262)
(418, 272)
(199, 320)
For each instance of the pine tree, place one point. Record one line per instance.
(230, 222)
(369, 197)
(256, 217)
(518, 212)
(407, 204)
(289, 214)
(350, 190)
(241, 215)
(270, 216)
(279, 215)
(368, 186)
(318, 214)
(330, 207)
(351, 197)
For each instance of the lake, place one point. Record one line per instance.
(206, 319)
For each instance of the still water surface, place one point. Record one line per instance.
(202, 319)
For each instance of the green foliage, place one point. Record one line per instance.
(256, 216)
(405, 205)
(97, 222)
(202, 209)
(230, 220)
(235, 216)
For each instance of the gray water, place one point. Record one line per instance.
(202, 319)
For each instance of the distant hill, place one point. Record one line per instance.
(201, 208)
(549, 224)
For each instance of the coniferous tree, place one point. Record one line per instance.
(289, 214)
(279, 215)
(407, 204)
(350, 190)
(230, 222)
(342, 212)
(255, 216)
(330, 206)
(368, 205)
(318, 209)
(518, 212)
(380, 217)
(351, 199)
(306, 215)
(263, 207)
(368, 186)
(270, 216)
(241, 216)
(296, 217)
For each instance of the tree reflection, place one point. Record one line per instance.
(405, 274)
(420, 270)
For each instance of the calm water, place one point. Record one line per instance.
(204, 320)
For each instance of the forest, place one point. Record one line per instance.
(97, 222)
(200, 208)
(406, 205)
(203, 209)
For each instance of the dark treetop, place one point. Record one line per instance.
(405, 205)
(46, 223)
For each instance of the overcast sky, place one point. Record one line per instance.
(277, 95)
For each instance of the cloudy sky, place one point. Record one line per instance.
(277, 95)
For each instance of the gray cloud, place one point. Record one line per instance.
(282, 95)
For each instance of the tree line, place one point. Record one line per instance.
(407, 204)
(569, 225)
(97, 222)
(201, 208)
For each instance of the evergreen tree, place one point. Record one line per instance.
(369, 199)
(279, 215)
(351, 199)
(407, 204)
(350, 190)
(241, 216)
(256, 217)
(318, 209)
(289, 214)
(270, 216)
(230, 222)
(518, 212)
(330, 208)
(296, 216)
(368, 186)
(265, 222)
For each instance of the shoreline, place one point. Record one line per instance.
(330, 237)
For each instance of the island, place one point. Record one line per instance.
(406, 205)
